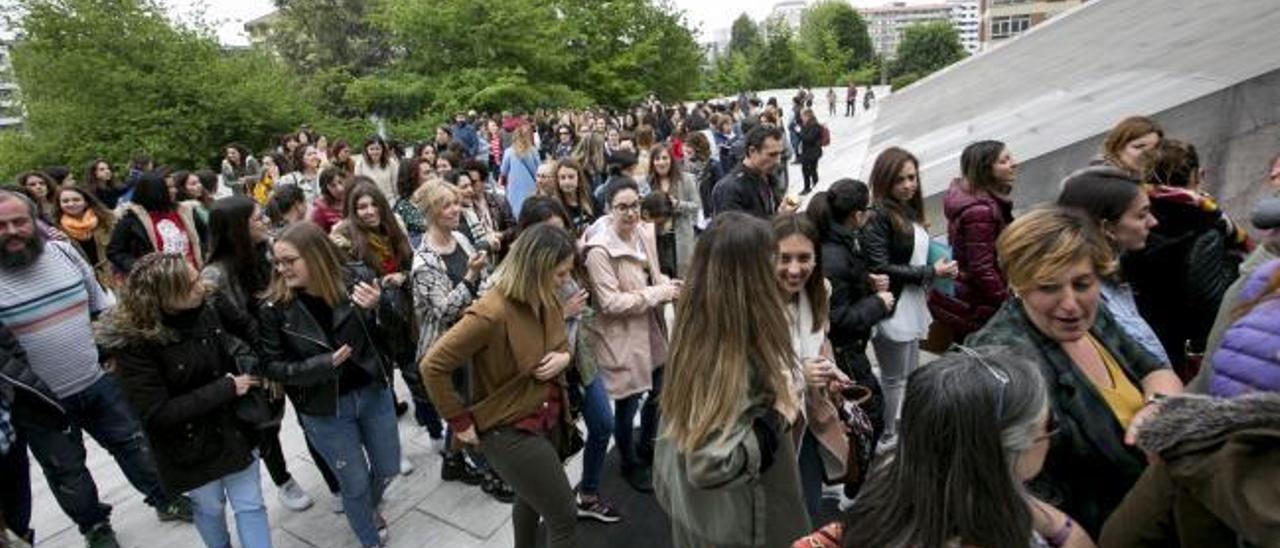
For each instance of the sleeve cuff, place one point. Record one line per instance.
(461, 422)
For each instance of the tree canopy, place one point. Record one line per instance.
(836, 37)
(925, 48)
(109, 78)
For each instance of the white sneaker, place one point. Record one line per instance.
(337, 504)
(406, 467)
(293, 497)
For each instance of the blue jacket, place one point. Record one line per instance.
(1249, 358)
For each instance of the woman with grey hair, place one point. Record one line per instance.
(976, 425)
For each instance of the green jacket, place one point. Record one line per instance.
(1089, 468)
(716, 495)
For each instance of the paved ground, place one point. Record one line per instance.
(423, 510)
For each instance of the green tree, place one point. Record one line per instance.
(113, 77)
(925, 48)
(835, 36)
(777, 65)
(744, 36)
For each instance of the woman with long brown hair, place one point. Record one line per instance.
(87, 224)
(514, 338)
(666, 176)
(319, 321)
(573, 192)
(725, 465)
(897, 244)
(1128, 141)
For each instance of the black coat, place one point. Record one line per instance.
(746, 190)
(889, 252)
(178, 386)
(810, 142)
(854, 307)
(297, 352)
(29, 398)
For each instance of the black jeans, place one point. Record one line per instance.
(15, 488)
(809, 170)
(624, 415)
(532, 467)
(850, 107)
(101, 411)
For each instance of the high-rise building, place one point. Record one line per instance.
(1005, 19)
(10, 110)
(966, 18)
(886, 23)
(791, 11)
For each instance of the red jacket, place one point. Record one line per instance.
(974, 221)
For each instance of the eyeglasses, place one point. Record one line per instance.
(625, 208)
(1000, 376)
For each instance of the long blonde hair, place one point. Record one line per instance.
(731, 334)
(523, 139)
(325, 273)
(525, 275)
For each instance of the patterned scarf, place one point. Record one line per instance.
(82, 228)
(381, 247)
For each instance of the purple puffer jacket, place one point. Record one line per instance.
(1249, 358)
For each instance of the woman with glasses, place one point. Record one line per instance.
(982, 420)
(564, 143)
(1101, 381)
(630, 289)
(319, 324)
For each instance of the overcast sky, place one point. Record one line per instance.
(231, 15)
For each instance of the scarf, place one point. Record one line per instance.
(381, 247)
(82, 228)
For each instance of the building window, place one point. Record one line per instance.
(1004, 27)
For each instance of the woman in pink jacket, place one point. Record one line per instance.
(622, 261)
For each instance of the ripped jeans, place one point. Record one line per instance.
(361, 444)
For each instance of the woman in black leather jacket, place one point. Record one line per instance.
(897, 244)
(317, 337)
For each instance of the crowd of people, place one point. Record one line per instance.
(521, 274)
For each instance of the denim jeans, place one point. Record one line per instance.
(244, 490)
(101, 411)
(624, 422)
(361, 444)
(811, 473)
(599, 416)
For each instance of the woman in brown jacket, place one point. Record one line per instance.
(514, 338)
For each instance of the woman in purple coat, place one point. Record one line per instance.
(1249, 358)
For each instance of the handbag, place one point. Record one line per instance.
(255, 407)
(859, 432)
(827, 536)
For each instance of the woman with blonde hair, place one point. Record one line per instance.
(725, 465)
(446, 277)
(519, 166)
(1102, 383)
(514, 338)
(183, 374)
(319, 321)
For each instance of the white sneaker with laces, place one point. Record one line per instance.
(293, 497)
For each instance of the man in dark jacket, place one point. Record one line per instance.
(15, 482)
(465, 134)
(47, 296)
(750, 187)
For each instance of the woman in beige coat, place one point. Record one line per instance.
(622, 260)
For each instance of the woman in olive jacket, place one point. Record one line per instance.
(183, 374)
